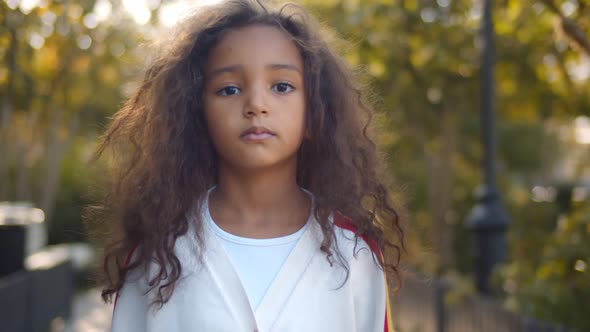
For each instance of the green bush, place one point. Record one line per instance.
(549, 276)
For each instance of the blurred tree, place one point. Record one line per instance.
(549, 275)
(422, 59)
(63, 65)
(64, 68)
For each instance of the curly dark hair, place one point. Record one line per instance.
(164, 160)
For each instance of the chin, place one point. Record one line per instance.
(258, 163)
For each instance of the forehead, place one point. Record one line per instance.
(254, 45)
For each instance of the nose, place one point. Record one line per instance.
(255, 103)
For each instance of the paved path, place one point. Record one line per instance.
(89, 313)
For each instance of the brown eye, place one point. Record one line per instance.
(228, 91)
(283, 87)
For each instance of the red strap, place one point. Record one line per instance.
(125, 264)
(346, 223)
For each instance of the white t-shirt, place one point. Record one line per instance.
(256, 261)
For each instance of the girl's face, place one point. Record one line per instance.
(254, 98)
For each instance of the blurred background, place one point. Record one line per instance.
(502, 248)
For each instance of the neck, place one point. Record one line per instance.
(254, 199)
(249, 191)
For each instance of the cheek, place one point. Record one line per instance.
(299, 121)
(217, 124)
(219, 129)
(300, 124)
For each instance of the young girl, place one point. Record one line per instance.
(247, 191)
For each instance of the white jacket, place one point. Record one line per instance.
(306, 295)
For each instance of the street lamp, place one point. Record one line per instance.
(487, 220)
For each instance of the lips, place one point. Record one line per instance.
(257, 133)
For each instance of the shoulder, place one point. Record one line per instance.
(361, 253)
(367, 279)
(346, 231)
(131, 303)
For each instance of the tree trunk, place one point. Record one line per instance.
(55, 153)
(6, 117)
(441, 185)
(23, 154)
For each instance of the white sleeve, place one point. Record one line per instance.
(369, 291)
(131, 307)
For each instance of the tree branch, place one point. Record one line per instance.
(570, 27)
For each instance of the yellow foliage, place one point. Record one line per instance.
(411, 5)
(352, 58)
(75, 11)
(108, 74)
(79, 94)
(4, 42)
(351, 5)
(520, 111)
(513, 10)
(45, 61)
(422, 55)
(551, 269)
(563, 225)
(19, 127)
(507, 87)
(3, 75)
(324, 3)
(388, 138)
(80, 64)
(376, 68)
(504, 28)
(519, 195)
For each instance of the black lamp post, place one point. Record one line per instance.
(487, 220)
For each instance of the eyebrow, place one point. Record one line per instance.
(235, 68)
